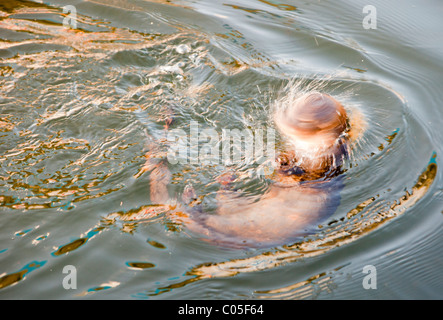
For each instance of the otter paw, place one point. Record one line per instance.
(226, 178)
(189, 194)
(168, 122)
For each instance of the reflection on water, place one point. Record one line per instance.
(13, 278)
(81, 108)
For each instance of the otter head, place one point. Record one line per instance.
(314, 123)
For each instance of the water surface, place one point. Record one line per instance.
(80, 108)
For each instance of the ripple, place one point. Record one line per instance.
(81, 108)
(310, 288)
(140, 265)
(10, 279)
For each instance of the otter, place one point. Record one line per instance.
(305, 187)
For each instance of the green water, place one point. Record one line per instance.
(80, 108)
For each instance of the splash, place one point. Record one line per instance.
(301, 87)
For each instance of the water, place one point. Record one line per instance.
(81, 107)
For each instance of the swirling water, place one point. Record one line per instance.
(80, 108)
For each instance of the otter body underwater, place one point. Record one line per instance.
(305, 187)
